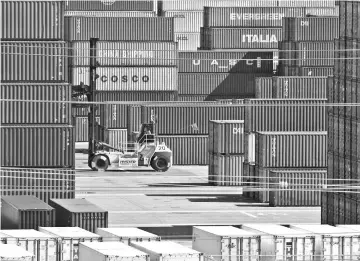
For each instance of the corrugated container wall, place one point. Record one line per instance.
(186, 21)
(126, 235)
(119, 28)
(111, 13)
(296, 188)
(226, 170)
(327, 11)
(114, 5)
(263, 87)
(47, 112)
(226, 137)
(187, 41)
(224, 62)
(129, 78)
(306, 71)
(307, 3)
(14, 252)
(240, 38)
(117, 138)
(50, 146)
(82, 128)
(248, 16)
(59, 183)
(34, 61)
(291, 149)
(126, 53)
(32, 20)
(349, 19)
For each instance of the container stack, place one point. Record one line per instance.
(344, 123)
(37, 152)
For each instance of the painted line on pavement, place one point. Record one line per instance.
(250, 215)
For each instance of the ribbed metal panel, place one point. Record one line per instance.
(119, 28)
(219, 83)
(188, 41)
(133, 125)
(291, 149)
(192, 98)
(32, 20)
(306, 71)
(307, 3)
(113, 5)
(111, 13)
(296, 188)
(331, 11)
(126, 53)
(248, 16)
(186, 21)
(223, 62)
(240, 38)
(82, 128)
(34, 61)
(117, 137)
(13, 112)
(226, 170)
(187, 150)
(129, 78)
(285, 115)
(349, 19)
(263, 87)
(41, 183)
(37, 146)
(226, 137)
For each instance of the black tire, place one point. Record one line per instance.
(160, 163)
(99, 163)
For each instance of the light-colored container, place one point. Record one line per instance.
(126, 235)
(226, 243)
(263, 87)
(281, 243)
(117, 138)
(240, 38)
(113, 5)
(110, 251)
(249, 147)
(226, 170)
(119, 28)
(129, 78)
(42, 246)
(70, 238)
(126, 53)
(306, 71)
(306, 3)
(34, 61)
(327, 11)
(11, 252)
(226, 137)
(186, 21)
(166, 250)
(111, 13)
(333, 243)
(188, 41)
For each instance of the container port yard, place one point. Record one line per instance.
(174, 129)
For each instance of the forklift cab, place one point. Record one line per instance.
(146, 134)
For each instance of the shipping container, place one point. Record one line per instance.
(166, 250)
(248, 180)
(126, 235)
(240, 38)
(263, 87)
(324, 208)
(126, 53)
(129, 78)
(285, 115)
(310, 28)
(69, 240)
(25, 212)
(296, 188)
(281, 243)
(306, 71)
(349, 19)
(110, 251)
(333, 243)
(111, 13)
(306, 3)
(50, 146)
(12, 252)
(113, 5)
(192, 98)
(249, 147)
(187, 41)
(244, 61)
(226, 170)
(226, 243)
(32, 20)
(79, 213)
(327, 11)
(226, 137)
(116, 138)
(41, 183)
(34, 61)
(82, 128)
(186, 21)
(119, 28)
(249, 16)
(187, 149)
(299, 87)
(42, 246)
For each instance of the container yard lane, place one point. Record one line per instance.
(181, 196)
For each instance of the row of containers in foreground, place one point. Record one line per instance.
(263, 242)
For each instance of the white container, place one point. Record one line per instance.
(249, 144)
(226, 243)
(282, 243)
(41, 245)
(188, 41)
(11, 252)
(186, 21)
(167, 251)
(334, 243)
(126, 235)
(70, 238)
(110, 251)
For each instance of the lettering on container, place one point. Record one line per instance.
(256, 16)
(124, 78)
(286, 88)
(114, 113)
(237, 130)
(76, 252)
(108, 2)
(304, 23)
(179, 16)
(78, 26)
(232, 62)
(273, 147)
(254, 38)
(125, 54)
(182, 38)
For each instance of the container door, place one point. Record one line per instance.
(51, 250)
(289, 249)
(279, 251)
(309, 248)
(250, 249)
(229, 249)
(331, 248)
(304, 249)
(66, 250)
(351, 248)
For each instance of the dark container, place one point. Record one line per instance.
(79, 213)
(114, 5)
(41, 183)
(349, 19)
(26, 212)
(263, 87)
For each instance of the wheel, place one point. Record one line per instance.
(160, 163)
(99, 162)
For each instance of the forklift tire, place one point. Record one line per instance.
(160, 163)
(99, 163)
